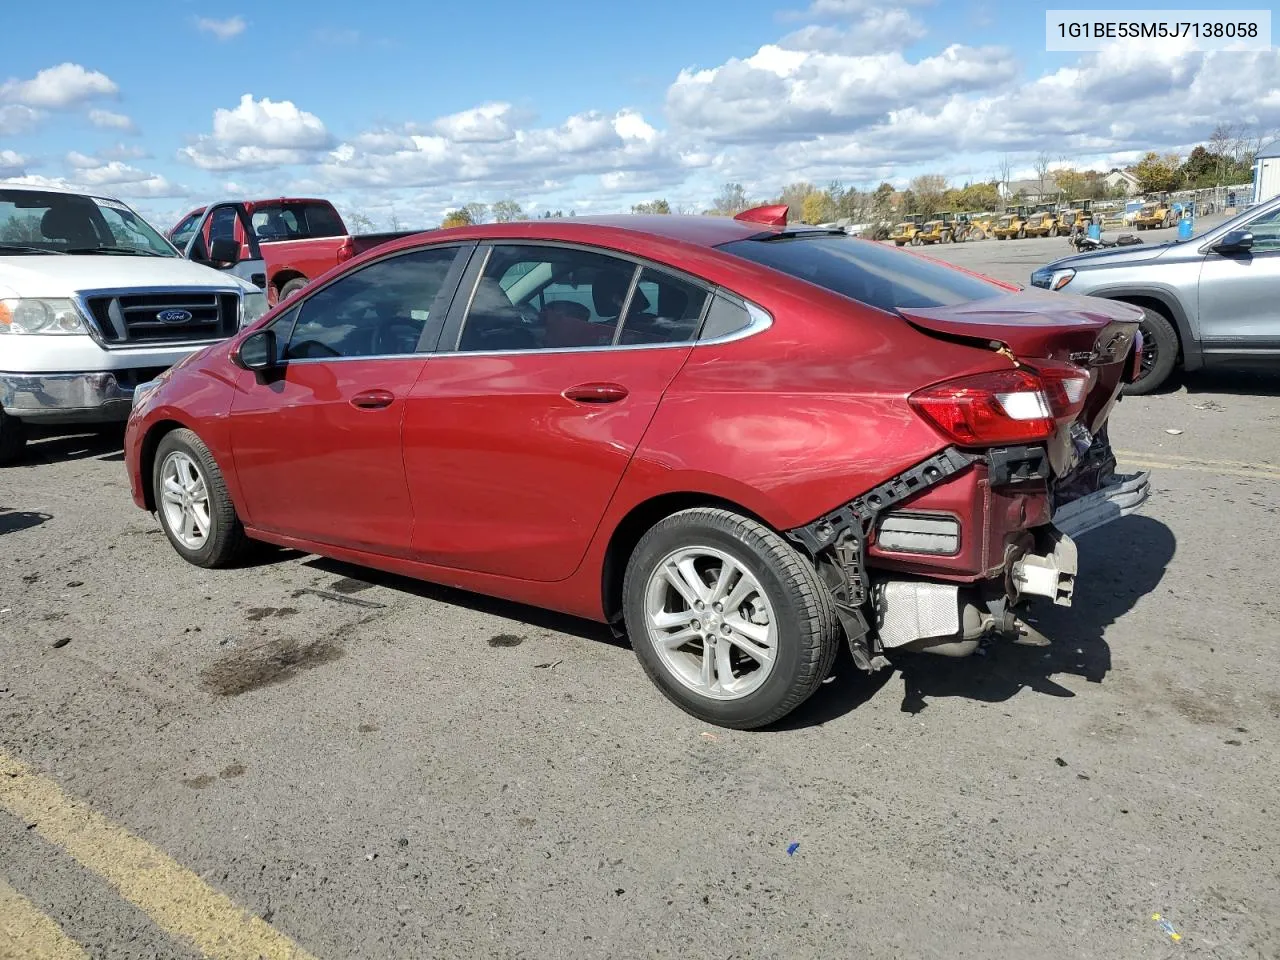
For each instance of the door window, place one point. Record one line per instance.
(1266, 232)
(663, 309)
(555, 298)
(223, 224)
(378, 311)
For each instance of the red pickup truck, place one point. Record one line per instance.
(280, 244)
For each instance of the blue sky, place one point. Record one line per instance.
(417, 107)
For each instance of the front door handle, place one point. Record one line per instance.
(373, 399)
(596, 393)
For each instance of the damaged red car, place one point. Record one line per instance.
(743, 442)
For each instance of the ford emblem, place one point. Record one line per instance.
(173, 316)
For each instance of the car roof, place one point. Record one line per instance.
(51, 188)
(696, 230)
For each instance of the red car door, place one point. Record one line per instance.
(317, 442)
(551, 366)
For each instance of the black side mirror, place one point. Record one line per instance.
(224, 250)
(1235, 241)
(257, 351)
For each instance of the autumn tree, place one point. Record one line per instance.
(927, 191)
(1072, 183)
(1156, 174)
(1003, 172)
(504, 211)
(1043, 178)
(457, 218)
(652, 206)
(817, 207)
(360, 223)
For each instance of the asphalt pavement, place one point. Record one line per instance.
(308, 759)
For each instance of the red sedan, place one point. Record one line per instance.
(746, 442)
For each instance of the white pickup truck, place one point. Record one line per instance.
(93, 302)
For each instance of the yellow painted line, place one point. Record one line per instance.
(1201, 468)
(28, 934)
(1175, 458)
(171, 895)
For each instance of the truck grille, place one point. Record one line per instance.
(169, 317)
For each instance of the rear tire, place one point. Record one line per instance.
(13, 438)
(195, 510)
(292, 287)
(1160, 339)
(777, 609)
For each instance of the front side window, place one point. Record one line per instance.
(380, 310)
(1266, 231)
(864, 271)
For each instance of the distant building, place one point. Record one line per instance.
(1031, 191)
(1266, 172)
(1118, 179)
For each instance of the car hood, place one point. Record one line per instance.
(1115, 256)
(37, 275)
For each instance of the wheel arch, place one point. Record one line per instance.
(147, 456)
(635, 523)
(283, 277)
(1167, 303)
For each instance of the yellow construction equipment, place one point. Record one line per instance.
(1154, 215)
(1043, 221)
(908, 231)
(971, 226)
(1012, 224)
(938, 228)
(1075, 215)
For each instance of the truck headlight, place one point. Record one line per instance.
(252, 306)
(29, 315)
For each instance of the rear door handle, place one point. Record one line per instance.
(373, 399)
(596, 393)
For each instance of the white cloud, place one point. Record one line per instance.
(12, 164)
(16, 118)
(107, 120)
(222, 29)
(259, 133)
(60, 87)
(488, 123)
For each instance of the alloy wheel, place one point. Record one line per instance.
(711, 623)
(184, 498)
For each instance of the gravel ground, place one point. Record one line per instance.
(383, 768)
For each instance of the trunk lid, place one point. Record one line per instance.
(1089, 332)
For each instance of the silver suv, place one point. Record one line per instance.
(1210, 300)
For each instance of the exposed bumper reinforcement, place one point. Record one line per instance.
(1096, 509)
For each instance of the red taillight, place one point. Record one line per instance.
(346, 251)
(1005, 406)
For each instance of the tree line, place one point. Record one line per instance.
(1225, 158)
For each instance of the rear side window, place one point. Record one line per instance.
(864, 271)
(663, 309)
(296, 221)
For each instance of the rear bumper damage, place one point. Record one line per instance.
(952, 619)
(896, 607)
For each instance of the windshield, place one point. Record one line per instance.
(867, 272)
(71, 223)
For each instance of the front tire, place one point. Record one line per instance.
(195, 511)
(1159, 354)
(13, 438)
(729, 621)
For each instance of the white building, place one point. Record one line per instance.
(1122, 178)
(1266, 172)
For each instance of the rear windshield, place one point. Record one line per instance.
(296, 221)
(870, 273)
